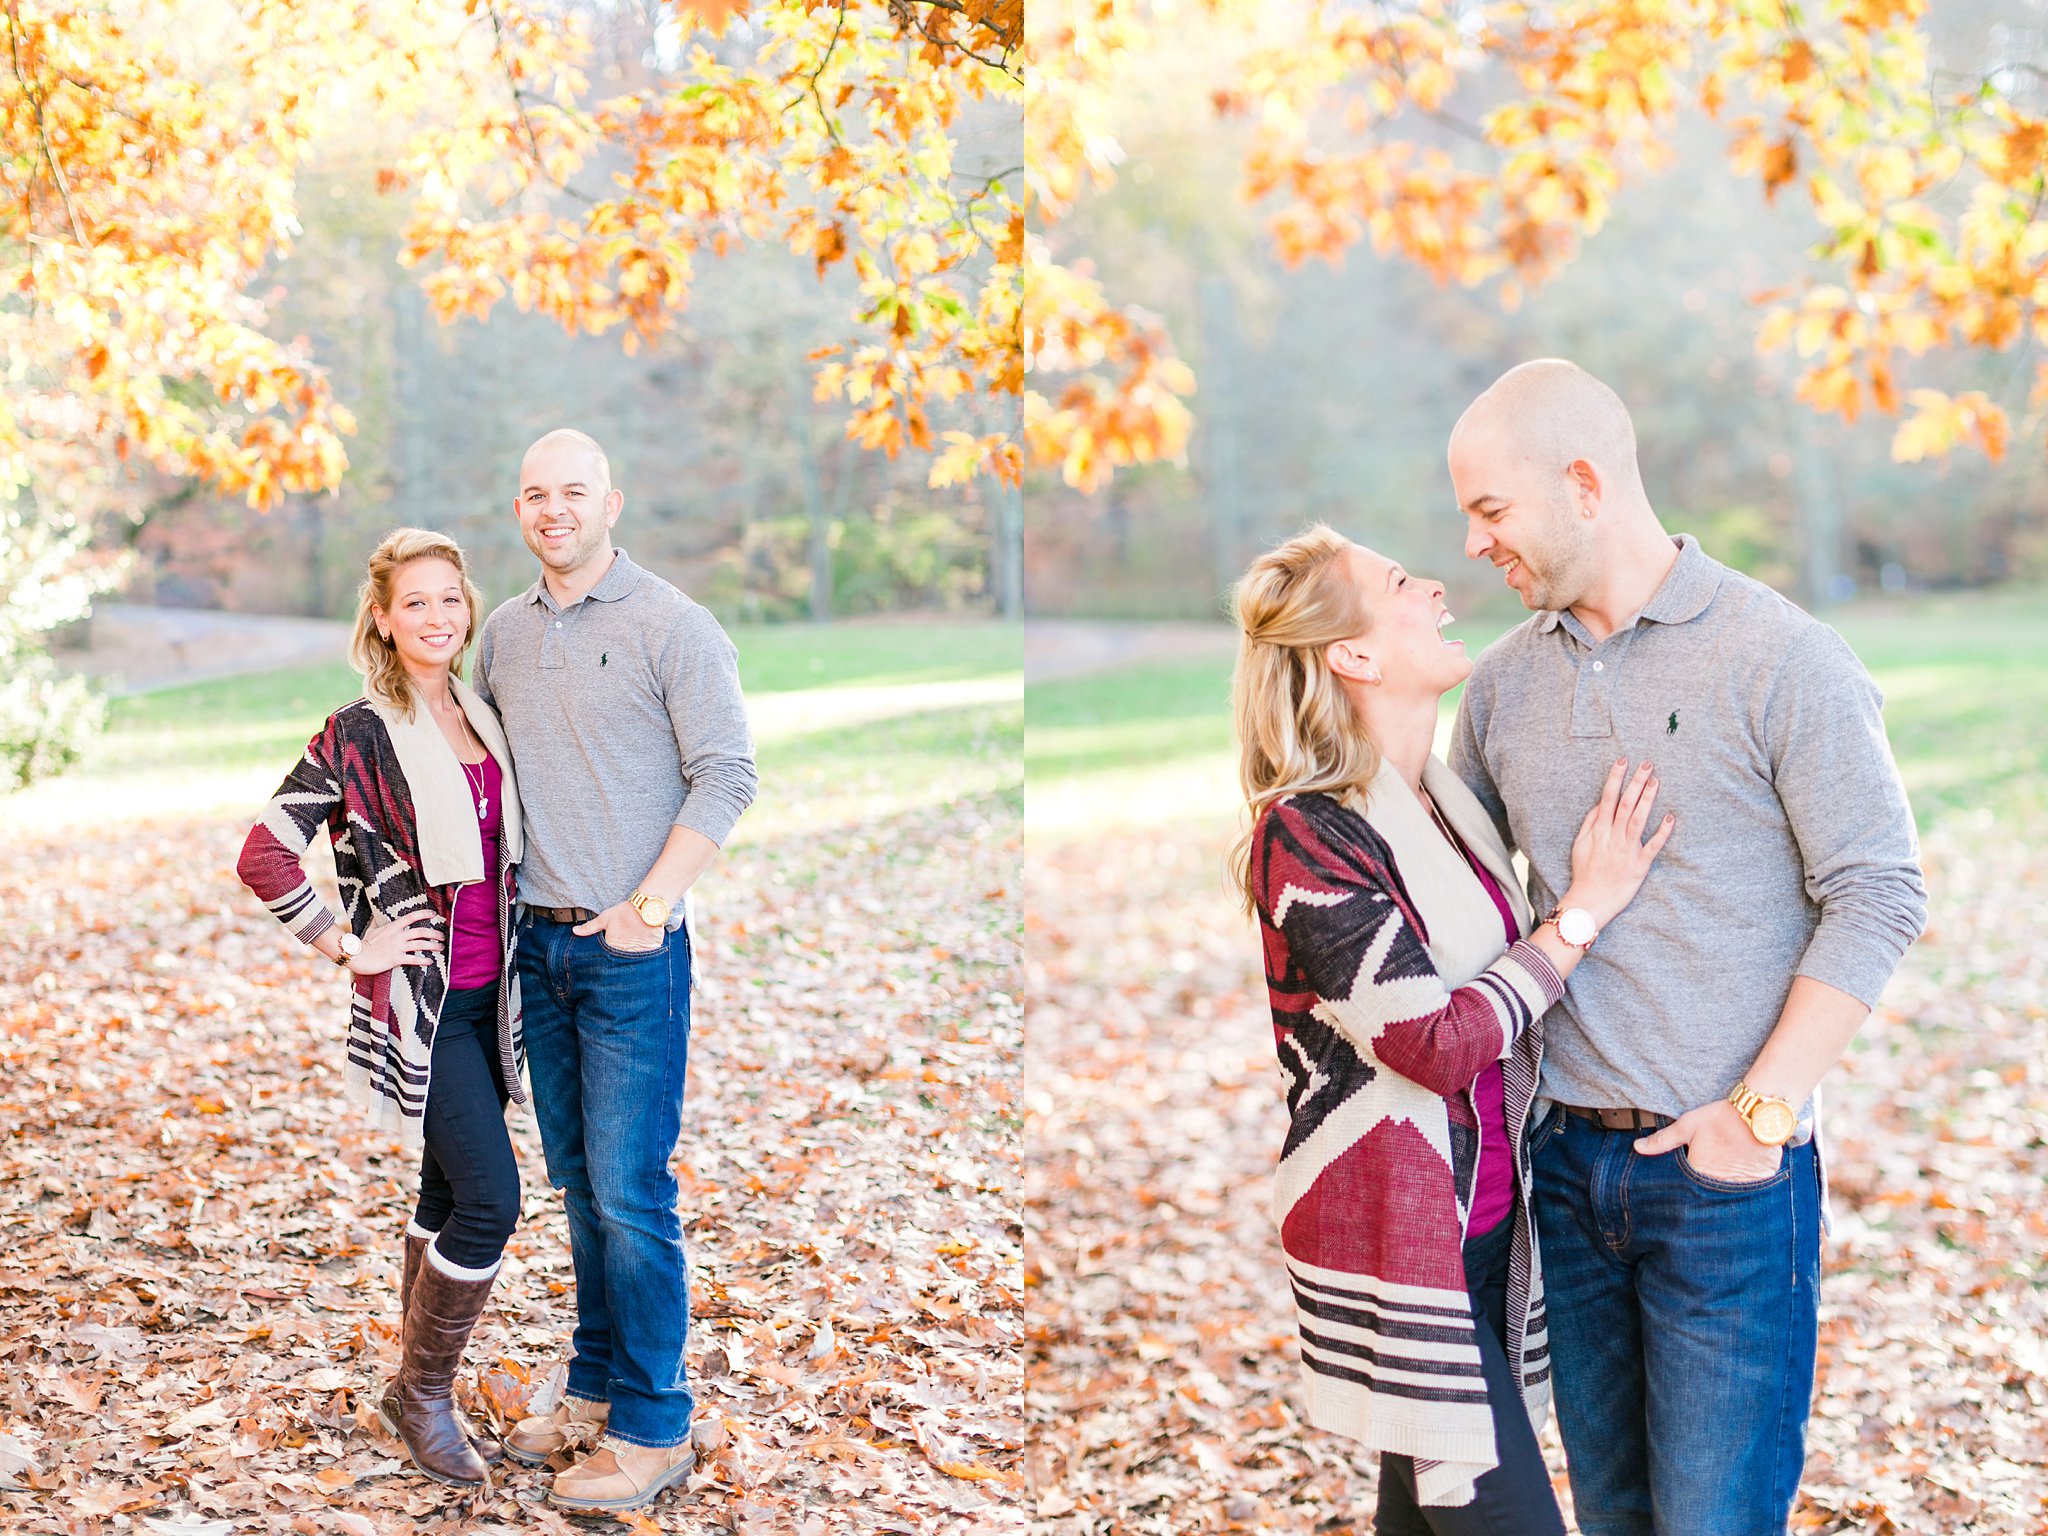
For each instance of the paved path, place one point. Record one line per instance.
(133, 648)
(1061, 648)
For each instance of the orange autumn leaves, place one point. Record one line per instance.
(1926, 190)
(130, 228)
(149, 181)
(837, 137)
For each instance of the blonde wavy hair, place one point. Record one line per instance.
(384, 677)
(1297, 732)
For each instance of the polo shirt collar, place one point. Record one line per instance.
(1687, 587)
(618, 581)
(1683, 595)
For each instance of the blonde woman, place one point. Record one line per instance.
(414, 785)
(1408, 981)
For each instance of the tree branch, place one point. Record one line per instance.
(518, 94)
(35, 103)
(907, 16)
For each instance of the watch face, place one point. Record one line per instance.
(653, 911)
(350, 944)
(1575, 926)
(1773, 1123)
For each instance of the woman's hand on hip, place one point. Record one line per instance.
(413, 939)
(1609, 856)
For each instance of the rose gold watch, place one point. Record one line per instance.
(1575, 926)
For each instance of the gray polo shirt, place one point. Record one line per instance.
(1794, 853)
(625, 719)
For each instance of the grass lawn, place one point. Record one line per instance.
(872, 717)
(1965, 679)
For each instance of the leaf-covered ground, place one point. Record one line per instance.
(201, 1239)
(1161, 1384)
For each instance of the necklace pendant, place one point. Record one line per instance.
(483, 807)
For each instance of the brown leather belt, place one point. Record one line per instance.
(1619, 1119)
(571, 915)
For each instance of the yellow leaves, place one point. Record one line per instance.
(965, 456)
(1098, 424)
(918, 254)
(1886, 174)
(1941, 422)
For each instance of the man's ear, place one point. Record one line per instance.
(1582, 480)
(614, 504)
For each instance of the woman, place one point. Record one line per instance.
(1408, 986)
(414, 785)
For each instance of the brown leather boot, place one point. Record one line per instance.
(415, 1251)
(444, 1310)
(486, 1446)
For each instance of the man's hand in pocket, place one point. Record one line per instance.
(1717, 1143)
(623, 928)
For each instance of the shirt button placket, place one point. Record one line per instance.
(1589, 702)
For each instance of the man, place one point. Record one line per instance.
(1680, 1266)
(621, 701)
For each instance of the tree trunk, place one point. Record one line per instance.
(1221, 461)
(1820, 510)
(1006, 512)
(812, 475)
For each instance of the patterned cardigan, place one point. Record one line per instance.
(396, 849)
(1377, 1170)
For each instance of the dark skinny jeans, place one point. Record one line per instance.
(469, 1179)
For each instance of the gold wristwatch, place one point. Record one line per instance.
(652, 909)
(1771, 1121)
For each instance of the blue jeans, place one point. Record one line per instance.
(1683, 1325)
(607, 1039)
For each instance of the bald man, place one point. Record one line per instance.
(621, 700)
(1677, 1186)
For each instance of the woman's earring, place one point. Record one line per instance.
(1373, 675)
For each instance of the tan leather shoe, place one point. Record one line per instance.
(574, 1422)
(619, 1477)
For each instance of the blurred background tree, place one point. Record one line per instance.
(1766, 267)
(767, 252)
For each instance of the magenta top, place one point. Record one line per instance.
(1493, 1192)
(476, 949)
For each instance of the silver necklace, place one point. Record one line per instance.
(476, 785)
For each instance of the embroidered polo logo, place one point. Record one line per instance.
(605, 656)
(1671, 725)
